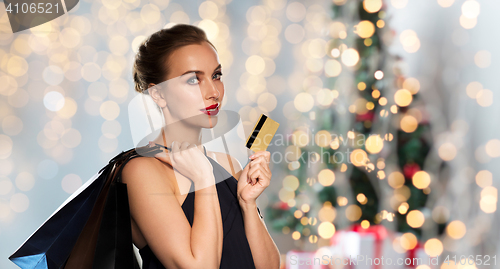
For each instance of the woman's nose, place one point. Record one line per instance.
(212, 90)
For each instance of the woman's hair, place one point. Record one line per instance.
(151, 63)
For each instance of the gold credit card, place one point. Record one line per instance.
(262, 134)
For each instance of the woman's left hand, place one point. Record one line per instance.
(254, 178)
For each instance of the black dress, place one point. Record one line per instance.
(236, 251)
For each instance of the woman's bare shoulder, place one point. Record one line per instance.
(145, 170)
(142, 165)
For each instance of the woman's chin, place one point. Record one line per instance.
(211, 122)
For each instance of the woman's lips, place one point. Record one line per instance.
(210, 112)
(212, 106)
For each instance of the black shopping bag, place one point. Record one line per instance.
(91, 229)
(113, 244)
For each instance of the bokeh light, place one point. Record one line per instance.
(433, 247)
(456, 229)
(409, 40)
(6, 145)
(415, 218)
(421, 179)
(365, 29)
(374, 144)
(353, 212)
(372, 6)
(25, 181)
(483, 57)
(326, 230)
(350, 57)
(54, 101)
(403, 97)
(19, 202)
(326, 177)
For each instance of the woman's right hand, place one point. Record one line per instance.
(190, 161)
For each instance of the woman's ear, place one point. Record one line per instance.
(157, 95)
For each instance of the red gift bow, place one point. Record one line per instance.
(380, 233)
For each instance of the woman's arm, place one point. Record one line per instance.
(161, 220)
(264, 251)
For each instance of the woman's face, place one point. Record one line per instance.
(193, 84)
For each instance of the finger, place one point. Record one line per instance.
(263, 178)
(261, 157)
(174, 150)
(266, 154)
(260, 168)
(253, 169)
(256, 177)
(256, 154)
(259, 160)
(256, 161)
(250, 180)
(184, 146)
(174, 147)
(191, 147)
(253, 178)
(266, 167)
(265, 172)
(243, 179)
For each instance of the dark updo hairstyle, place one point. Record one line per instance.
(152, 60)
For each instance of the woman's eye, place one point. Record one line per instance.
(193, 80)
(218, 75)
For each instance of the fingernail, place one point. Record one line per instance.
(252, 156)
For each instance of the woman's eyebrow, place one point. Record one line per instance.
(199, 71)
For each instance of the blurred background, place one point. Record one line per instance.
(388, 142)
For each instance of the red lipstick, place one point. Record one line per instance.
(211, 110)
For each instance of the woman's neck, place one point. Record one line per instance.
(179, 133)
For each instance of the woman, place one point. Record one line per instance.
(210, 226)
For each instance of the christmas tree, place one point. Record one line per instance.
(374, 151)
